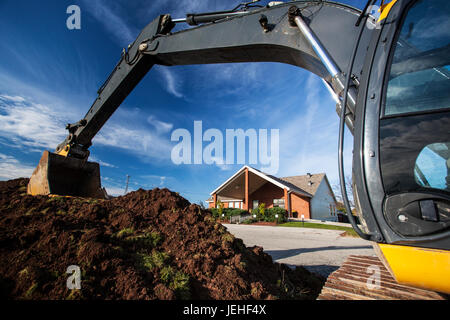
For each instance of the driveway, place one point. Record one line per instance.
(318, 250)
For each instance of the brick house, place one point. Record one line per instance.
(308, 195)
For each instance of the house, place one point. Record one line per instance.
(308, 195)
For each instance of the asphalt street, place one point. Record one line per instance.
(318, 250)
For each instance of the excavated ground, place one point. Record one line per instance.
(145, 245)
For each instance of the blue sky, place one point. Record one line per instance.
(49, 76)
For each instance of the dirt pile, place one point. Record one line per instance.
(145, 245)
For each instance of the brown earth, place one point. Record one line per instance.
(145, 245)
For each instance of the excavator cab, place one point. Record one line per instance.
(401, 158)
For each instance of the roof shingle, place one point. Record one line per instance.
(308, 183)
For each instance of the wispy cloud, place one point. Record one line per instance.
(160, 126)
(172, 83)
(102, 163)
(308, 141)
(30, 124)
(141, 142)
(115, 191)
(154, 180)
(115, 187)
(11, 168)
(123, 32)
(220, 163)
(12, 99)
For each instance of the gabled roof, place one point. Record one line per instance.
(309, 183)
(276, 181)
(316, 179)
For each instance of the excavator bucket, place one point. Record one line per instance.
(66, 176)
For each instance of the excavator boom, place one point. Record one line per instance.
(256, 35)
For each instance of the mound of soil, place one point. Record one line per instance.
(145, 245)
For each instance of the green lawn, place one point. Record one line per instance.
(297, 224)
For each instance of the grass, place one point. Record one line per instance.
(298, 224)
(124, 232)
(31, 290)
(29, 212)
(149, 262)
(147, 239)
(177, 281)
(45, 210)
(228, 237)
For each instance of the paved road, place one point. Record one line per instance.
(321, 251)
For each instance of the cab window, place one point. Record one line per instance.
(419, 78)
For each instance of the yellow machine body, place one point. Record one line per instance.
(418, 267)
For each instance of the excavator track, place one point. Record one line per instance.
(350, 282)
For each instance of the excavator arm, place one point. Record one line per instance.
(286, 33)
(260, 35)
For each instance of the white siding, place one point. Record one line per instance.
(320, 203)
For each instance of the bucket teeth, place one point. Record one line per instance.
(66, 176)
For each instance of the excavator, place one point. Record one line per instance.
(390, 78)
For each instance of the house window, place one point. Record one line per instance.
(237, 205)
(231, 204)
(278, 203)
(255, 204)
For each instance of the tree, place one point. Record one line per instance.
(338, 195)
(262, 209)
(220, 208)
(201, 205)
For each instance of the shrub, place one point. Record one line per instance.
(272, 212)
(227, 212)
(235, 212)
(214, 212)
(262, 210)
(220, 209)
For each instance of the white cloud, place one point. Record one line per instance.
(172, 81)
(123, 33)
(160, 126)
(35, 127)
(220, 163)
(102, 163)
(308, 141)
(141, 142)
(160, 180)
(11, 168)
(16, 99)
(30, 124)
(114, 191)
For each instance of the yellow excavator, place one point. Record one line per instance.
(390, 78)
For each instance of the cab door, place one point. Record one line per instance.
(405, 149)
